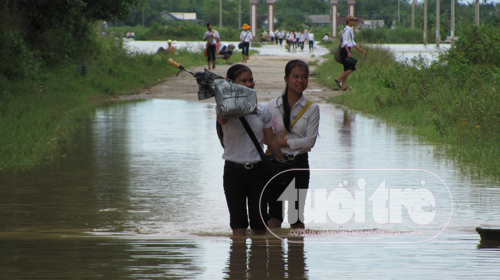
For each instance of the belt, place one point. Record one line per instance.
(294, 158)
(245, 165)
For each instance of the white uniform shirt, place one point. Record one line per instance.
(238, 146)
(211, 40)
(248, 37)
(348, 37)
(302, 37)
(311, 37)
(304, 132)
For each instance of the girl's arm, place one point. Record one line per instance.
(272, 143)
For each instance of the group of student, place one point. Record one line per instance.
(289, 126)
(294, 38)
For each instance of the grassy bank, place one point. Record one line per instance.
(39, 112)
(453, 102)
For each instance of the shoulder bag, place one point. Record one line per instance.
(337, 55)
(273, 165)
(240, 45)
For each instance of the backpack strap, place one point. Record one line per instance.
(301, 113)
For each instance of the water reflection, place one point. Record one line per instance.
(265, 258)
(138, 193)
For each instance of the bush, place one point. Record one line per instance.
(389, 36)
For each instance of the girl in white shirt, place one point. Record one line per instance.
(299, 140)
(244, 174)
(246, 39)
(345, 52)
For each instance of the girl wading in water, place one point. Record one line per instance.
(244, 174)
(295, 122)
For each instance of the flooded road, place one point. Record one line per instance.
(138, 194)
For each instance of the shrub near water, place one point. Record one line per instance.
(39, 112)
(453, 101)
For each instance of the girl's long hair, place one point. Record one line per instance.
(232, 74)
(288, 70)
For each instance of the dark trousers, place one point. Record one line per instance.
(242, 186)
(246, 47)
(301, 182)
(211, 52)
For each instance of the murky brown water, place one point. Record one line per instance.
(139, 194)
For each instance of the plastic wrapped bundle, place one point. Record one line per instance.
(233, 100)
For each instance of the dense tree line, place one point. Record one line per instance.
(294, 13)
(40, 33)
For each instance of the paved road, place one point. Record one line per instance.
(268, 71)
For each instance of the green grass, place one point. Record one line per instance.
(39, 113)
(453, 103)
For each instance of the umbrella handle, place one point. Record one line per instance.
(175, 64)
(178, 65)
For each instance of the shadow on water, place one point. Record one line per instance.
(138, 193)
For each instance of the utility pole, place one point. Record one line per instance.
(476, 13)
(413, 14)
(239, 16)
(452, 23)
(425, 22)
(220, 14)
(142, 16)
(399, 21)
(437, 24)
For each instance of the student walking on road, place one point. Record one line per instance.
(246, 39)
(347, 44)
(212, 38)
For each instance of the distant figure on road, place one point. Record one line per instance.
(246, 39)
(345, 52)
(212, 38)
(310, 38)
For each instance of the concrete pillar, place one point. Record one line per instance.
(334, 11)
(253, 17)
(270, 15)
(351, 6)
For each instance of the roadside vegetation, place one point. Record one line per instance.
(453, 102)
(39, 111)
(55, 64)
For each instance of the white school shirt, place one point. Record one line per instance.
(211, 40)
(348, 37)
(271, 34)
(282, 34)
(302, 37)
(238, 146)
(304, 133)
(248, 38)
(311, 37)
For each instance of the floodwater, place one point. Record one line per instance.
(403, 52)
(138, 194)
